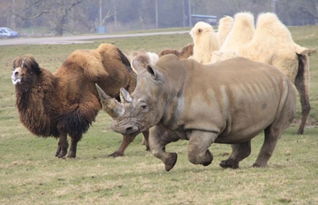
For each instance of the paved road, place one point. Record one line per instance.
(78, 39)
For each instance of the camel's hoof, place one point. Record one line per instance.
(300, 132)
(71, 155)
(61, 154)
(116, 154)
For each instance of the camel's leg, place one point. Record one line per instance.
(305, 104)
(145, 139)
(62, 146)
(124, 144)
(58, 150)
(302, 87)
(73, 148)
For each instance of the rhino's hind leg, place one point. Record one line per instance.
(198, 149)
(239, 152)
(274, 131)
(270, 141)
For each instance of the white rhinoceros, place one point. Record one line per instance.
(228, 102)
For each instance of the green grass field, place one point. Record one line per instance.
(30, 174)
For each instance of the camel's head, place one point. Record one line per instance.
(201, 30)
(204, 37)
(25, 70)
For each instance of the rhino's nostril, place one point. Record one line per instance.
(129, 129)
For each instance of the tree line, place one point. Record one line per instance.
(83, 16)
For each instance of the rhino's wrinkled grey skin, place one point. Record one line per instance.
(228, 102)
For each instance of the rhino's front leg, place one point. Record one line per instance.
(158, 139)
(199, 142)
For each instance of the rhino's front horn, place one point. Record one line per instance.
(110, 105)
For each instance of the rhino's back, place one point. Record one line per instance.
(237, 97)
(233, 71)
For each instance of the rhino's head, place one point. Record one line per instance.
(141, 110)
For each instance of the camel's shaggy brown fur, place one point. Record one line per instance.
(66, 102)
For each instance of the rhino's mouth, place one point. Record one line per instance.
(133, 134)
(128, 129)
(137, 132)
(134, 131)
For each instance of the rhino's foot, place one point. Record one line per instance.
(208, 157)
(170, 161)
(116, 154)
(229, 163)
(204, 158)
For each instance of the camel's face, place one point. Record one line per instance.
(25, 69)
(16, 75)
(201, 32)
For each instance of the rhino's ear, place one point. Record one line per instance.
(153, 72)
(139, 63)
(136, 66)
(125, 96)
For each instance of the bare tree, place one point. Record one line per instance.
(60, 14)
(56, 12)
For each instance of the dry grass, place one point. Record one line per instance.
(30, 174)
